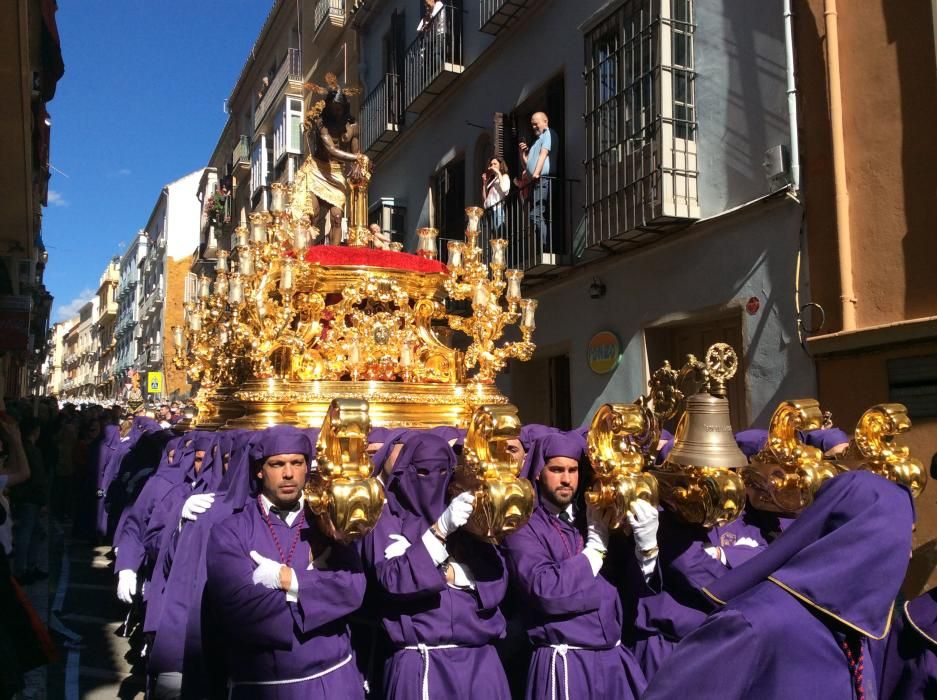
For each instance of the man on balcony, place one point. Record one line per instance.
(537, 168)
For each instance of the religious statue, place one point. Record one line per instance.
(332, 141)
(135, 394)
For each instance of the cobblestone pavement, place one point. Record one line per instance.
(79, 606)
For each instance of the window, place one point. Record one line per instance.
(288, 129)
(449, 201)
(912, 381)
(191, 287)
(640, 121)
(260, 164)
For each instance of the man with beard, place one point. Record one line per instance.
(574, 618)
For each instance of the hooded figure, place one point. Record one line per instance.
(908, 667)
(129, 536)
(573, 613)
(277, 590)
(182, 593)
(796, 620)
(440, 586)
(105, 470)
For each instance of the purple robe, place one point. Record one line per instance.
(128, 538)
(105, 471)
(907, 664)
(825, 439)
(269, 640)
(829, 580)
(416, 604)
(573, 618)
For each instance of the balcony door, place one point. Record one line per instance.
(449, 201)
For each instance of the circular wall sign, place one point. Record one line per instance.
(603, 352)
(754, 303)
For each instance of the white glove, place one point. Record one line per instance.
(462, 576)
(746, 542)
(126, 585)
(267, 572)
(716, 553)
(457, 514)
(196, 505)
(643, 519)
(597, 532)
(396, 548)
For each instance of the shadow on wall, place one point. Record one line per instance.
(918, 81)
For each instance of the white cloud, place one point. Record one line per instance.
(56, 199)
(65, 312)
(123, 172)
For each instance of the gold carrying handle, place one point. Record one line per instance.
(785, 476)
(503, 501)
(875, 442)
(622, 439)
(342, 496)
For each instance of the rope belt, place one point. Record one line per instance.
(236, 684)
(424, 650)
(561, 650)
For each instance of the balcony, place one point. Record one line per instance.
(241, 156)
(434, 59)
(381, 115)
(152, 304)
(329, 18)
(287, 80)
(108, 312)
(534, 224)
(495, 15)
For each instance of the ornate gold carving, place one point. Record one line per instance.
(503, 502)
(875, 447)
(785, 476)
(345, 500)
(271, 315)
(617, 446)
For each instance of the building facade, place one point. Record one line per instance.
(106, 340)
(173, 237)
(867, 74)
(662, 227)
(32, 60)
(127, 331)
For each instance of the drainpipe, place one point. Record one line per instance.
(843, 238)
(792, 94)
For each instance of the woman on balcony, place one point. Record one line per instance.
(332, 141)
(496, 184)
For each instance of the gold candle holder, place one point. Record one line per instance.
(235, 289)
(277, 197)
(514, 278)
(426, 247)
(246, 261)
(498, 246)
(455, 255)
(221, 263)
(474, 215)
(204, 287)
(258, 228)
(528, 312)
(221, 285)
(286, 275)
(241, 235)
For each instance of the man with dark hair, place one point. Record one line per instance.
(278, 590)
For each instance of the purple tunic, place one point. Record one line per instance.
(105, 470)
(273, 648)
(573, 618)
(907, 667)
(419, 610)
(829, 580)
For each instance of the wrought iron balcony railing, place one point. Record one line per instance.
(289, 74)
(495, 15)
(381, 115)
(241, 156)
(332, 11)
(434, 59)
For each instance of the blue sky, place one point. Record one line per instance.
(140, 105)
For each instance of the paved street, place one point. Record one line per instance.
(79, 605)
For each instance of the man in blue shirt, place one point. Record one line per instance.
(537, 166)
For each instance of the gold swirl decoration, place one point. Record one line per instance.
(340, 493)
(503, 501)
(622, 441)
(875, 447)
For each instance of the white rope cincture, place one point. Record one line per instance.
(424, 650)
(235, 684)
(562, 650)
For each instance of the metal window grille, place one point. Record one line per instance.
(640, 122)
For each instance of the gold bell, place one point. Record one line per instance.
(704, 436)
